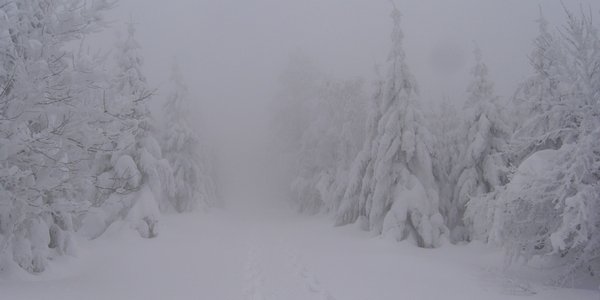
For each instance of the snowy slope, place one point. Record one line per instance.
(273, 255)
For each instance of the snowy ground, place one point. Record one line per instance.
(272, 255)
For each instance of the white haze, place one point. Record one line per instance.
(351, 200)
(232, 51)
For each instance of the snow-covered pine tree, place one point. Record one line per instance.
(135, 181)
(182, 147)
(353, 205)
(400, 195)
(348, 108)
(541, 122)
(43, 178)
(481, 167)
(550, 209)
(445, 125)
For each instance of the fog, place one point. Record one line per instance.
(297, 150)
(232, 52)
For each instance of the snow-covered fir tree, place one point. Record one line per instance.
(190, 160)
(133, 178)
(445, 124)
(352, 207)
(481, 167)
(398, 195)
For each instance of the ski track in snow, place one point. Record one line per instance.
(277, 272)
(309, 279)
(253, 277)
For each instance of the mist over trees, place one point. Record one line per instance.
(518, 173)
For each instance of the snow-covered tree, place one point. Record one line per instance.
(353, 205)
(481, 166)
(445, 123)
(192, 171)
(44, 148)
(397, 194)
(550, 209)
(133, 178)
(542, 121)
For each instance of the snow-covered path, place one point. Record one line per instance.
(272, 255)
